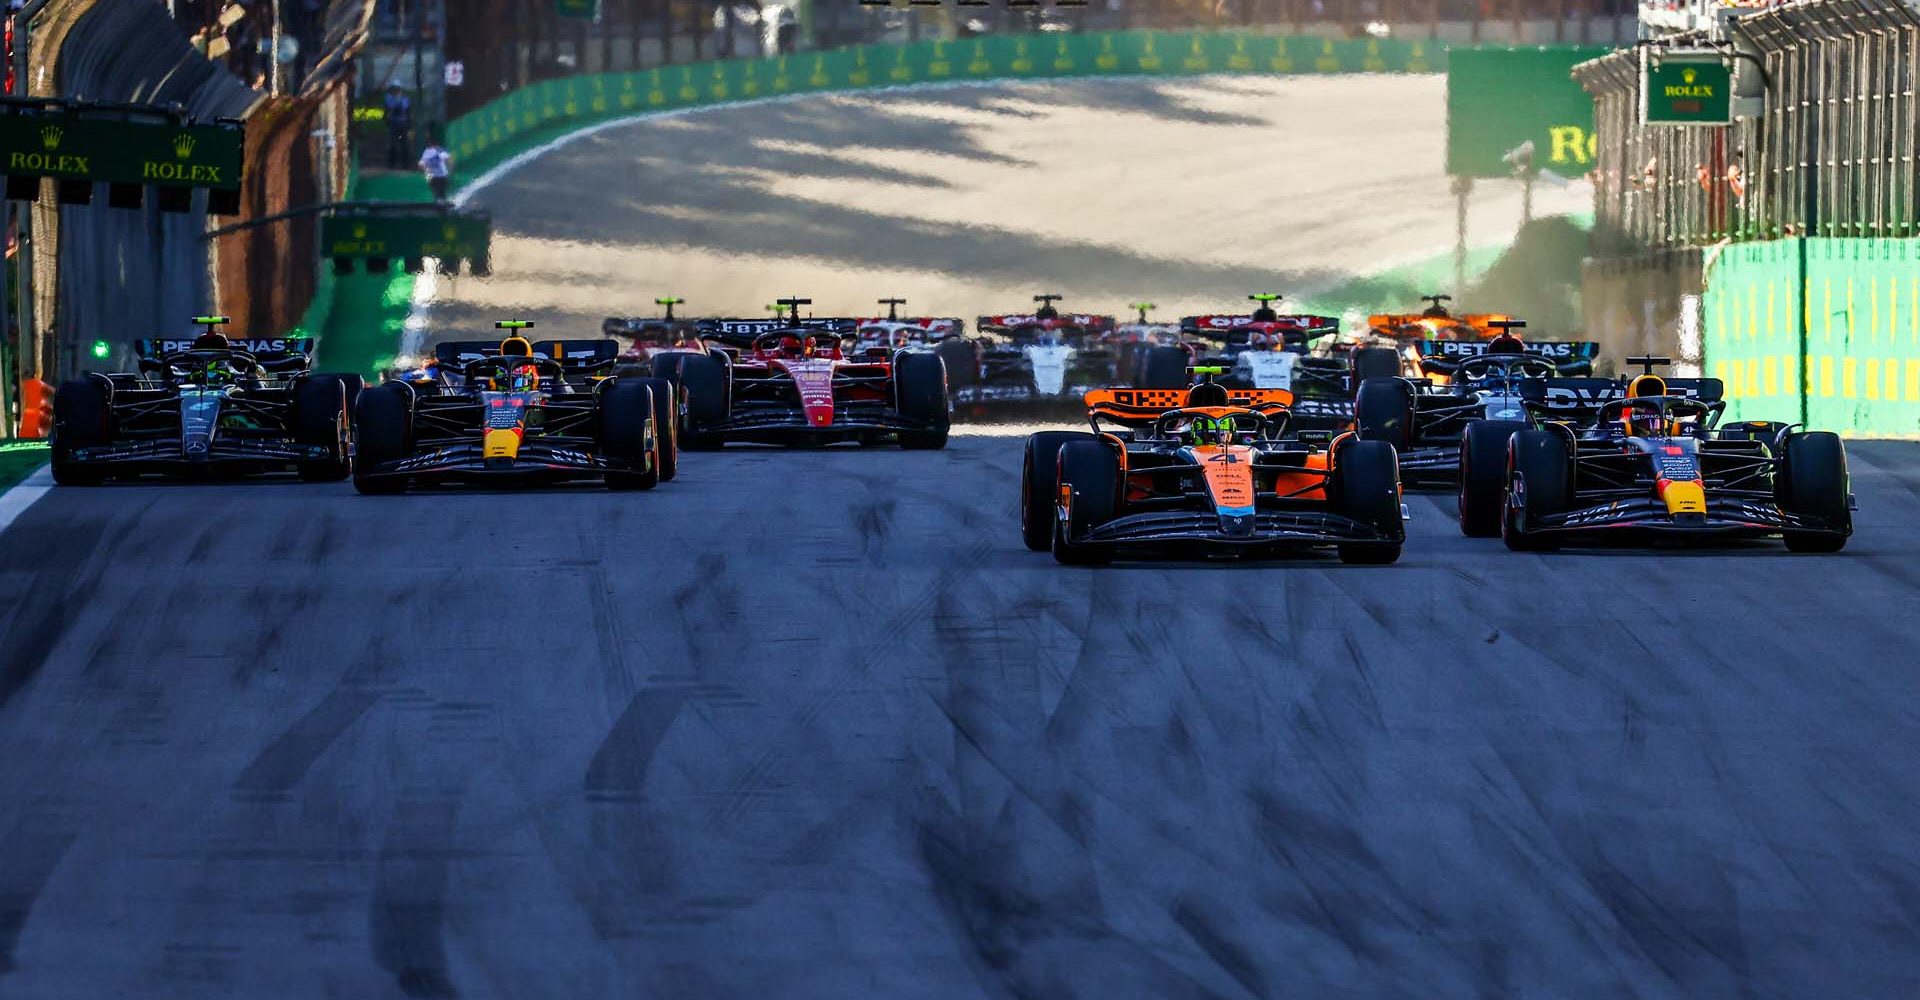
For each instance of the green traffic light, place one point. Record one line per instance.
(100, 349)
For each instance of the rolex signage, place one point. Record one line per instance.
(1685, 87)
(396, 236)
(63, 146)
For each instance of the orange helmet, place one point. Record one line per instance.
(1643, 422)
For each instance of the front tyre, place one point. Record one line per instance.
(82, 411)
(704, 378)
(383, 433)
(1090, 471)
(320, 418)
(920, 395)
(626, 414)
(1483, 475)
(1540, 470)
(1814, 485)
(1040, 486)
(1383, 411)
(666, 425)
(1366, 487)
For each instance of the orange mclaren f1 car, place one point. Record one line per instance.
(1205, 471)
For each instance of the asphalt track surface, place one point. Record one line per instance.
(814, 725)
(284, 740)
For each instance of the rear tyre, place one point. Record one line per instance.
(705, 380)
(920, 395)
(81, 419)
(1366, 487)
(1383, 411)
(1815, 485)
(1375, 362)
(320, 418)
(1540, 462)
(1483, 475)
(962, 361)
(1164, 368)
(382, 433)
(626, 412)
(666, 425)
(1040, 485)
(1089, 469)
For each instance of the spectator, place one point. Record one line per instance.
(399, 110)
(436, 163)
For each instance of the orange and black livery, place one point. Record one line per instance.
(1206, 471)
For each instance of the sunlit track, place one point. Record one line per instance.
(304, 736)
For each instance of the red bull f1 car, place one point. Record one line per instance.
(1654, 463)
(796, 382)
(516, 411)
(205, 406)
(1205, 471)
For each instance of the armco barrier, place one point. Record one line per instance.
(578, 100)
(1823, 329)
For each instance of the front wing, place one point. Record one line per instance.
(1724, 518)
(537, 461)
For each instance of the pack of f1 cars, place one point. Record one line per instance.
(1043, 360)
(1650, 462)
(516, 411)
(1265, 349)
(1205, 471)
(205, 406)
(793, 381)
(1425, 421)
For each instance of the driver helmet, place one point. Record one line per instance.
(1506, 343)
(523, 378)
(1641, 421)
(1210, 430)
(212, 340)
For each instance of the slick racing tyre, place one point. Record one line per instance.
(920, 395)
(1813, 484)
(626, 412)
(1164, 368)
(82, 412)
(963, 362)
(382, 433)
(1383, 411)
(1483, 475)
(1090, 470)
(1540, 463)
(704, 378)
(320, 418)
(1040, 485)
(1375, 362)
(1366, 488)
(666, 424)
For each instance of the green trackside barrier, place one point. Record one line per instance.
(1825, 327)
(480, 137)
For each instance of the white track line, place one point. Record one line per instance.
(15, 501)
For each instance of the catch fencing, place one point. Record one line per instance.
(297, 156)
(1832, 154)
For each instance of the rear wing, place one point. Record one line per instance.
(1573, 398)
(1558, 351)
(263, 348)
(1013, 321)
(627, 326)
(742, 332)
(578, 353)
(1139, 407)
(1303, 322)
(1480, 322)
(933, 327)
